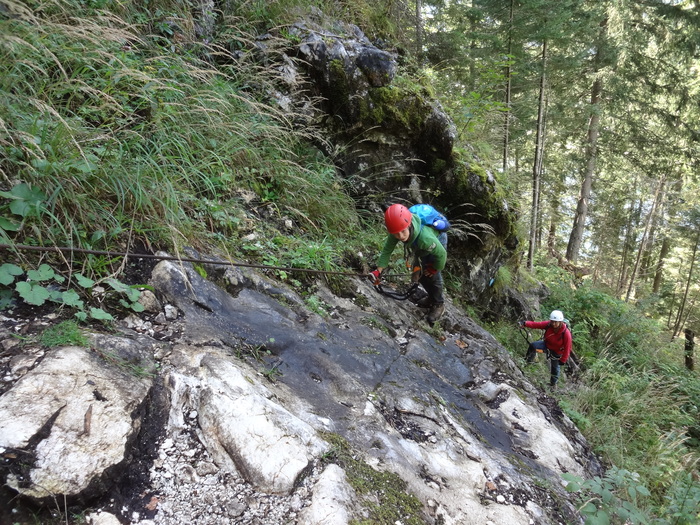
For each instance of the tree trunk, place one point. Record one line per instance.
(645, 236)
(676, 188)
(646, 270)
(627, 246)
(670, 310)
(576, 237)
(681, 306)
(554, 217)
(540, 221)
(537, 164)
(506, 116)
(622, 277)
(419, 31)
(658, 277)
(540, 171)
(688, 310)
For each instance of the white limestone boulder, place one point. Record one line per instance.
(73, 417)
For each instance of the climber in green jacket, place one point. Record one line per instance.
(424, 247)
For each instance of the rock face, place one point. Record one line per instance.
(71, 420)
(391, 138)
(259, 410)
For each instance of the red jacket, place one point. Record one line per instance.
(558, 341)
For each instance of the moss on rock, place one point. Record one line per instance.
(338, 83)
(383, 493)
(395, 108)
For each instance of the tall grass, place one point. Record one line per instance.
(378, 18)
(128, 133)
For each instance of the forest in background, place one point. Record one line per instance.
(588, 110)
(119, 123)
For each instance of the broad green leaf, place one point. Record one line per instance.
(25, 192)
(20, 207)
(26, 200)
(83, 281)
(80, 315)
(5, 298)
(574, 482)
(43, 273)
(573, 486)
(32, 293)
(100, 314)
(137, 307)
(133, 294)
(42, 165)
(641, 489)
(8, 271)
(8, 225)
(85, 167)
(601, 518)
(117, 285)
(98, 235)
(71, 298)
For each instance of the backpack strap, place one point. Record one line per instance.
(420, 229)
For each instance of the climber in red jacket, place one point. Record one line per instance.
(556, 340)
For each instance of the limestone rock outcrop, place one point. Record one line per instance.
(394, 142)
(271, 413)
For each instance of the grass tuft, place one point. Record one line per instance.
(67, 333)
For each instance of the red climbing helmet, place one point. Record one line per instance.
(397, 218)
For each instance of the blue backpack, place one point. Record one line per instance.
(429, 216)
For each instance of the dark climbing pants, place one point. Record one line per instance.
(554, 364)
(433, 285)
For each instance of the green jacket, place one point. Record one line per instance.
(423, 244)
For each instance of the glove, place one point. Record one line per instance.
(521, 324)
(375, 277)
(429, 271)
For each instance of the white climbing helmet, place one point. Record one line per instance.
(556, 315)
